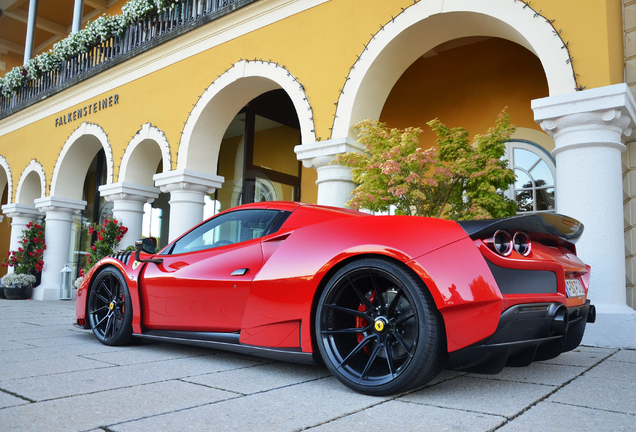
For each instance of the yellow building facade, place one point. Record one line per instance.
(252, 99)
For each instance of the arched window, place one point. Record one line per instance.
(536, 173)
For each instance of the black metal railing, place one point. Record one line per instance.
(156, 28)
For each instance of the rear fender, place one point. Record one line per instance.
(284, 290)
(464, 290)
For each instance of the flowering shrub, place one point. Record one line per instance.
(17, 280)
(13, 80)
(85, 40)
(28, 258)
(66, 48)
(165, 5)
(105, 27)
(48, 62)
(453, 180)
(136, 10)
(33, 69)
(109, 234)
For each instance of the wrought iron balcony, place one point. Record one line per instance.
(137, 38)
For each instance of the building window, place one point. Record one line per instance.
(536, 172)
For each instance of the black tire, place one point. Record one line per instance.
(110, 309)
(378, 330)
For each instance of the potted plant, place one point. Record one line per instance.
(27, 262)
(18, 286)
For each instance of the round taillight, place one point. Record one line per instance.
(502, 242)
(522, 243)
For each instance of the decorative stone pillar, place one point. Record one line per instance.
(187, 189)
(57, 235)
(589, 128)
(334, 182)
(128, 207)
(21, 215)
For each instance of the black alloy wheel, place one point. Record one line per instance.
(378, 330)
(110, 309)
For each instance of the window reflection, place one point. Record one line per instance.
(533, 189)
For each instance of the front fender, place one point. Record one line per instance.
(131, 270)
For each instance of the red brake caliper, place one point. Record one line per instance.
(362, 323)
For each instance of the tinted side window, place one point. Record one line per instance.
(225, 229)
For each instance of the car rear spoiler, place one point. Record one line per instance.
(551, 225)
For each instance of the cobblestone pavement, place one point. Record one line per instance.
(56, 377)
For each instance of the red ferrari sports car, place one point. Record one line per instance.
(384, 301)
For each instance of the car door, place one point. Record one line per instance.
(205, 277)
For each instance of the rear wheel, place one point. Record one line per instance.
(378, 329)
(110, 308)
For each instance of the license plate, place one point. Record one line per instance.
(574, 288)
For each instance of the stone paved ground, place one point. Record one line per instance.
(55, 377)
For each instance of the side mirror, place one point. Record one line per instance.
(148, 245)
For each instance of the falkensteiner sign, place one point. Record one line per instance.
(87, 110)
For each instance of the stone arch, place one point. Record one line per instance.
(426, 24)
(145, 150)
(226, 96)
(32, 184)
(6, 178)
(75, 158)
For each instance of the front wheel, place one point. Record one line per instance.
(110, 308)
(378, 329)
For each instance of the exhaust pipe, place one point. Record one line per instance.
(560, 321)
(591, 314)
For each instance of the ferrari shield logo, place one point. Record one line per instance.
(379, 325)
(135, 265)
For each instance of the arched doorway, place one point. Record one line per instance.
(96, 211)
(257, 156)
(5, 223)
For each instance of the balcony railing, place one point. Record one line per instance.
(144, 35)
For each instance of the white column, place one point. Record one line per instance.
(57, 235)
(589, 128)
(28, 44)
(187, 189)
(334, 182)
(128, 207)
(20, 215)
(78, 11)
